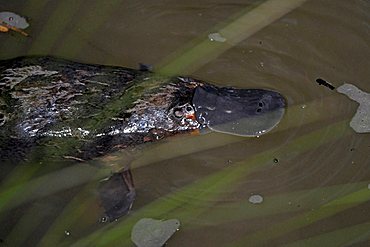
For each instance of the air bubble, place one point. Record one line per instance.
(255, 199)
(104, 219)
(216, 37)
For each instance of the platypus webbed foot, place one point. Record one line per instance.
(117, 194)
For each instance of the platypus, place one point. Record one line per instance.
(91, 110)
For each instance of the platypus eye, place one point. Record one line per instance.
(182, 111)
(189, 109)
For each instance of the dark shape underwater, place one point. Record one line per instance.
(91, 110)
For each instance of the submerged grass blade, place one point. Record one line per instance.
(185, 146)
(278, 204)
(26, 226)
(19, 185)
(58, 181)
(210, 187)
(343, 237)
(71, 217)
(10, 188)
(76, 39)
(250, 22)
(55, 27)
(305, 219)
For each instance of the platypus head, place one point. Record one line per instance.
(186, 104)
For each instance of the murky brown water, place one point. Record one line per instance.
(316, 192)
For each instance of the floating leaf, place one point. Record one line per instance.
(153, 233)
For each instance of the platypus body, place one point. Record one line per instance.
(91, 110)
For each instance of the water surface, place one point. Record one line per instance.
(312, 170)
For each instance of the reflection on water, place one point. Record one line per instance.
(316, 194)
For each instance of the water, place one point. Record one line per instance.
(316, 195)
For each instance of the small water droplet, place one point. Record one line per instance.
(104, 219)
(276, 160)
(67, 233)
